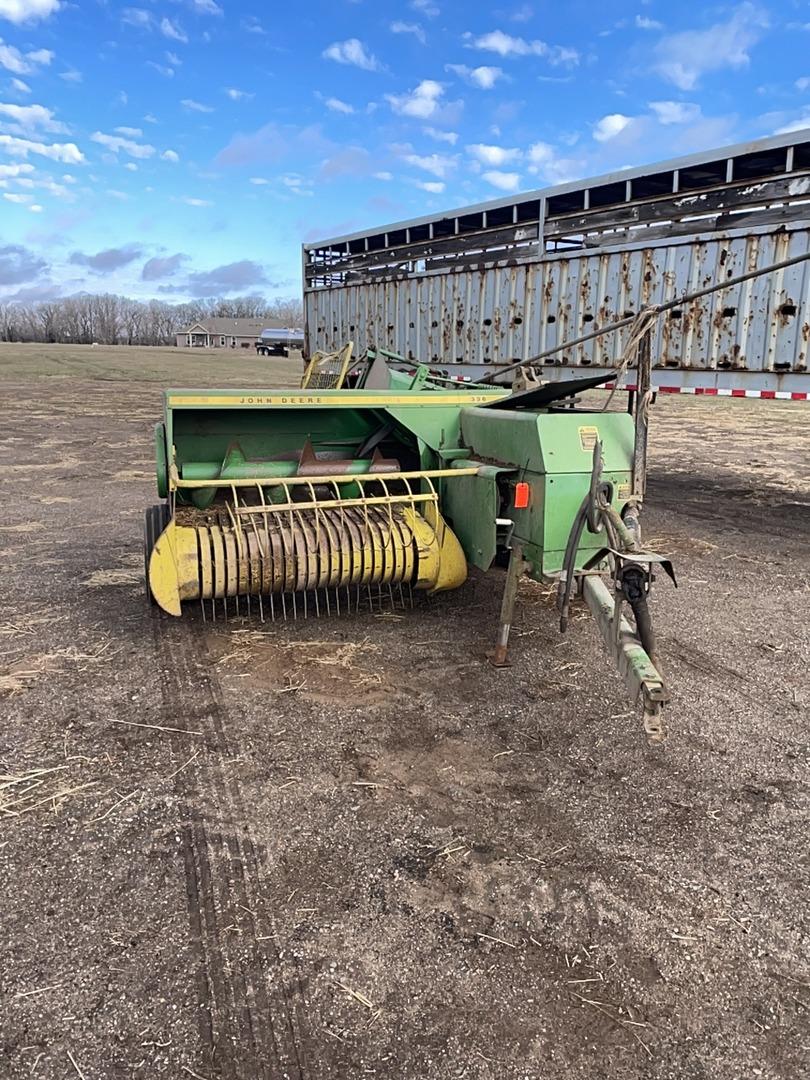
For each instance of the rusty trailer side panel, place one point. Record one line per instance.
(470, 318)
(484, 286)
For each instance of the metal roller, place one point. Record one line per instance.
(303, 551)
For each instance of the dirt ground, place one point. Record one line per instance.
(348, 847)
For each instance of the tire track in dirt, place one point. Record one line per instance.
(250, 1007)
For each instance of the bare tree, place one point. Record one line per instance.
(290, 312)
(110, 320)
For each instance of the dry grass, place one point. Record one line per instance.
(170, 366)
(130, 476)
(38, 789)
(118, 575)
(29, 625)
(23, 673)
(23, 527)
(257, 649)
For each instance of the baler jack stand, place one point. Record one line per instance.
(513, 575)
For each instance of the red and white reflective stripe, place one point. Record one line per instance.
(723, 391)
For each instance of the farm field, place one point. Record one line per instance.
(349, 847)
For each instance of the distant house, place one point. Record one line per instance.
(221, 333)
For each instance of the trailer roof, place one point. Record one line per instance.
(752, 160)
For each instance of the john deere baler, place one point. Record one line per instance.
(313, 502)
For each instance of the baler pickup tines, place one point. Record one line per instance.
(308, 546)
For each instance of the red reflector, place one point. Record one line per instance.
(521, 496)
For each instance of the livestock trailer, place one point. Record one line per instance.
(474, 289)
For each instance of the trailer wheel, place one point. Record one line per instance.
(156, 519)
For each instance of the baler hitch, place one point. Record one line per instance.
(630, 568)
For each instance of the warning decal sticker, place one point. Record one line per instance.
(588, 437)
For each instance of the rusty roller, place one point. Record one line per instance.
(304, 551)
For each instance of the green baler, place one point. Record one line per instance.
(308, 502)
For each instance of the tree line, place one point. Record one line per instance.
(106, 319)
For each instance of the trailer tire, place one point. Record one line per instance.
(644, 626)
(156, 519)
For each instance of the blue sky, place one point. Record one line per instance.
(185, 148)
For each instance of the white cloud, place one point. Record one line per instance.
(35, 208)
(427, 7)
(352, 51)
(545, 162)
(43, 185)
(435, 187)
(161, 68)
(130, 132)
(10, 171)
(173, 30)
(438, 164)
(23, 63)
(800, 84)
(399, 27)
(195, 106)
(795, 125)
(20, 86)
(71, 76)
(610, 126)
(21, 11)
(675, 112)
(237, 95)
(449, 137)
(131, 166)
(383, 175)
(14, 197)
(31, 117)
(505, 45)
(68, 153)
(540, 153)
(493, 155)
(336, 105)
(296, 184)
(645, 23)
(684, 57)
(136, 17)
(506, 181)
(483, 77)
(206, 7)
(259, 181)
(422, 102)
(170, 155)
(119, 144)
(57, 190)
(189, 201)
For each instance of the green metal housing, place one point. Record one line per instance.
(229, 434)
(552, 451)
